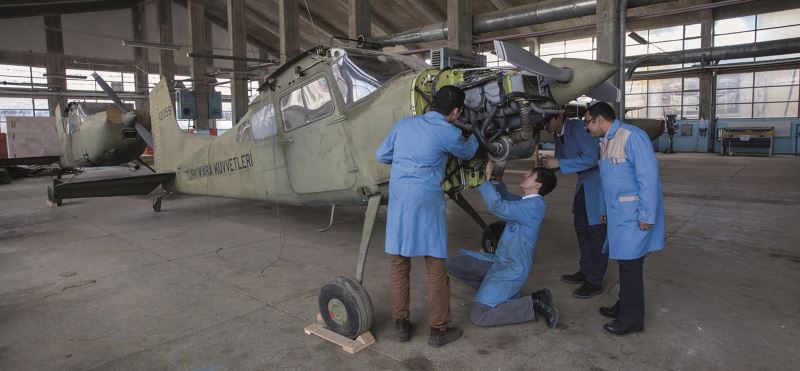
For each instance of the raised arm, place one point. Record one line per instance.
(511, 210)
(589, 153)
(463, 149)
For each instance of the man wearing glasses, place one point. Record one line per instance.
(634, 209)
(578, 152)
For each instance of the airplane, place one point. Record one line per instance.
(95, 134)
(308, 139)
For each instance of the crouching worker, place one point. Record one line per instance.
(499, 277)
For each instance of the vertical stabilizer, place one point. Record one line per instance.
(171, 144)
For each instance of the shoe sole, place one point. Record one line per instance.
(587, 296)
(574, 282)
(608, 316)
(549, 297)
(635, 329)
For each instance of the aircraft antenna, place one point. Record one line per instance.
(308, 10)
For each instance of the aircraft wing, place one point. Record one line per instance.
(126, 186)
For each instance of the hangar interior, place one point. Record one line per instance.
(227, 283)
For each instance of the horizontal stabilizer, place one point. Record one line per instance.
(125, 186)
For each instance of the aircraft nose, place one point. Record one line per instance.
(586, 75)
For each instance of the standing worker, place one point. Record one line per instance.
(416, 225)
(635, 210)
(578, 152)
(499, 277)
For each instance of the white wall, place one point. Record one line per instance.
(23, 34)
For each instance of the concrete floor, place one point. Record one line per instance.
(212, 284)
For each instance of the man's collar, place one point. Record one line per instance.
(613, 129)
(533, 195)
(435, 115)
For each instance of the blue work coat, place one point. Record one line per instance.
(511, 263)
(418, 148)
(578, 152)
(632, 190)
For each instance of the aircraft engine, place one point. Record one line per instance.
(505, 109)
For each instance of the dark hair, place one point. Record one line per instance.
(601, 109)
(548, 179)
(447, 98)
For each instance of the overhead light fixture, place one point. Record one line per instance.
(638, 38)
(142, 44)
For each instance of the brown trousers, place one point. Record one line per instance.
(438, 290)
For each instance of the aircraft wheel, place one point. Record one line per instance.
(157, 205)
(489, 245)
(345, 307)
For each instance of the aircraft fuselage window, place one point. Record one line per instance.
(244, 132)
(263, 122)
(307, 104)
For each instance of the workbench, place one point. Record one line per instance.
(753, 137)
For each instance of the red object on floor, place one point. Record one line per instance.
(148, 151)
(3, 146)
(212, 131)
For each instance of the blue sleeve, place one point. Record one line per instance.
(385, 152)
(510, 210)
(463, 149)
(589, 154)
(640, 151)
(502, 188)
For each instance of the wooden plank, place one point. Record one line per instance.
(348, 345)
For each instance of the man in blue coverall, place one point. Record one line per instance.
(634, 209)
(499, 277)
(578, 152)
(418, 148)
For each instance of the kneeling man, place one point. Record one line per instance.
(499, 277)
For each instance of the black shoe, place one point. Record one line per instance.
(402, 330)
(618, 328)
(574, 278)
(587, 290)
(441, 337)
(544, 305)
(610, 312)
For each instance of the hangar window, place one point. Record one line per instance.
(263, 122)
(758, 94)
(360, 73)
(757, 28)
(307, 104)
(22, 78)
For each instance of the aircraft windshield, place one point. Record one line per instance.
(358, 74)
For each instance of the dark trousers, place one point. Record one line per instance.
(593, 261)
(631, 292)
(472, 271)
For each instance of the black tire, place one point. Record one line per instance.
(487, 243)
(345, 307)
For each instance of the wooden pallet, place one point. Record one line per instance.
(348, 345)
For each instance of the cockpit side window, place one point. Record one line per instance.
(263, 123)
(307, 104)
(244, 132)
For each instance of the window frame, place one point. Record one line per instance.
(309, 81)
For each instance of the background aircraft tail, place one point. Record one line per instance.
(171, 144)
